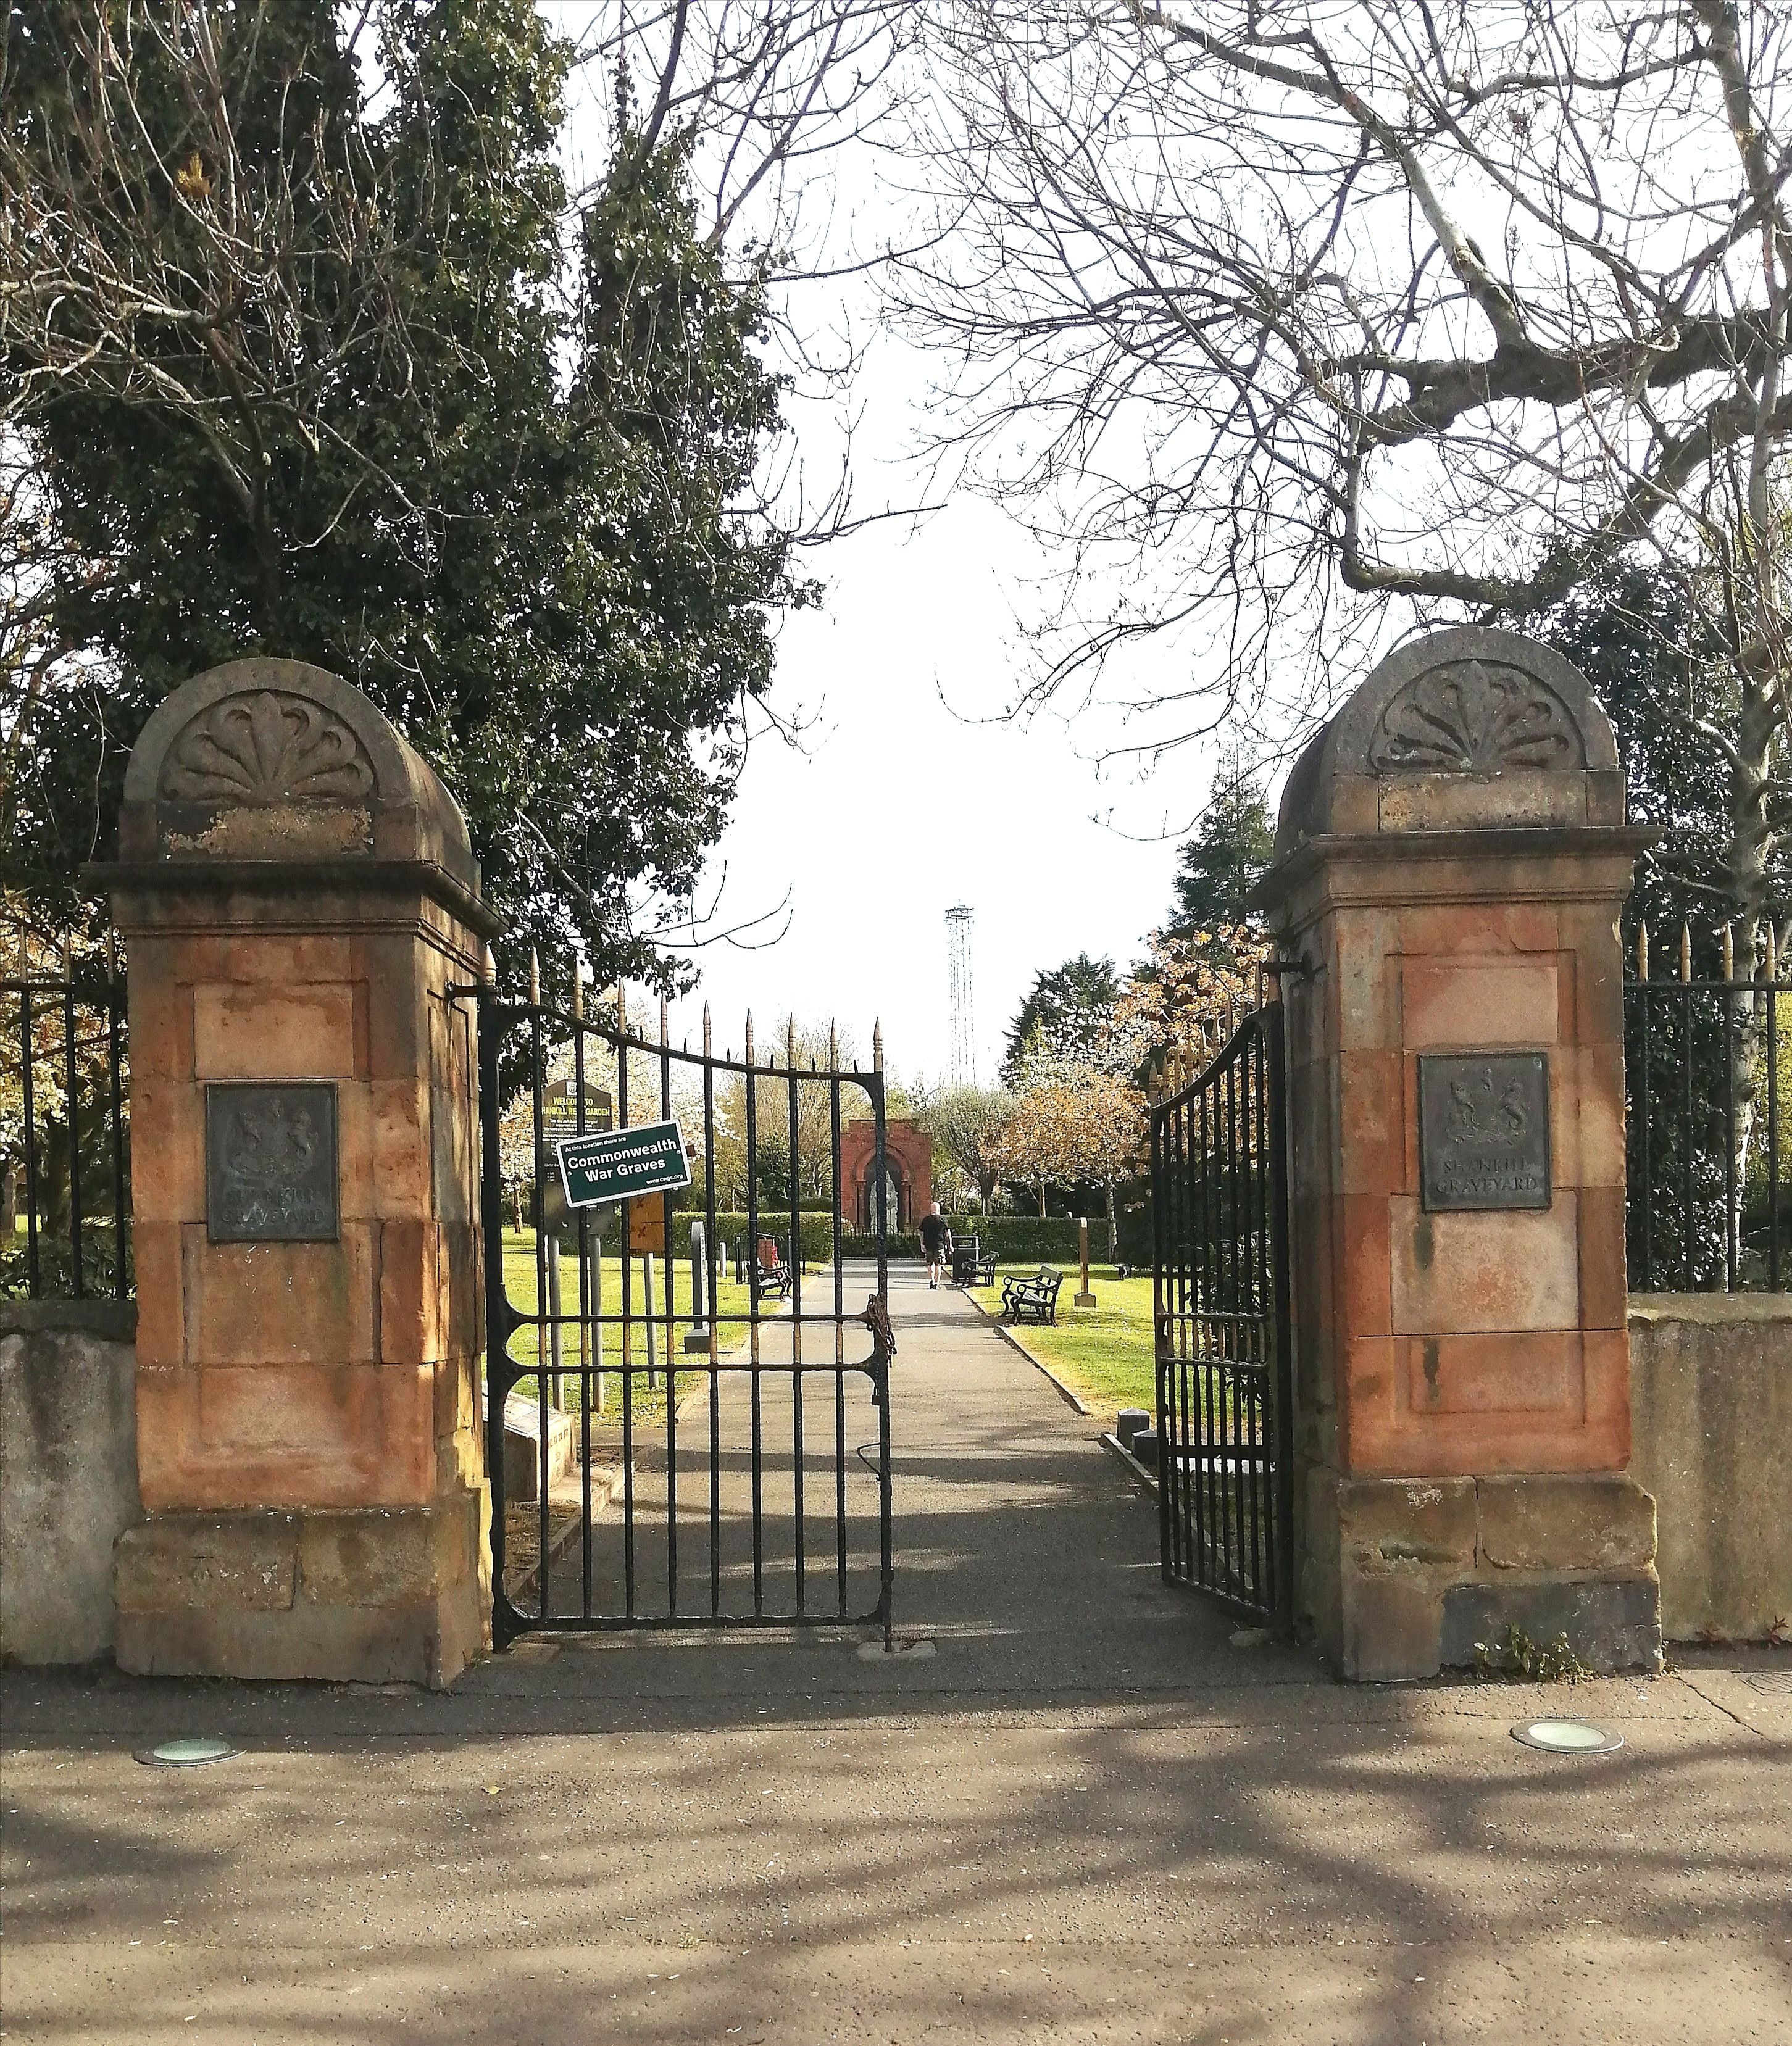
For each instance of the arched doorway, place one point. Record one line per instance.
(908, 1158)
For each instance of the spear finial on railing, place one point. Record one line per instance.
(833, 1045)
(749, 1053)
(1773, 949)
(535, 977)
(790, 1042)
(578, 991)
(1641, 952)
(1729, 951)
(1686, 951)
(708, 1038)
(877, 1046)
(111, 954)
(665, 1025)
(622, 1008)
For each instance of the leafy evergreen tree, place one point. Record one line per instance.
(369, 414)
(1063, 1002)
(1668, 687)
(1218, 867)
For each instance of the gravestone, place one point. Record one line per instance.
(1451, 858)
(299, 899)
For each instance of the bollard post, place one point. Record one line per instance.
(556, 1398)
(647, 1320)
(1086, 1298)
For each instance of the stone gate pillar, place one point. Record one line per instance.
(298, 894)
(1450, 861)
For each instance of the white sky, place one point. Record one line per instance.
(895, 810)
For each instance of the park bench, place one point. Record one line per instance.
(1034, 1299)
(983, 1269)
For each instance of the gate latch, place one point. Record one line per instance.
(876, 1318)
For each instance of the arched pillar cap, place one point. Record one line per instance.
(263, 763)
(1469, 729)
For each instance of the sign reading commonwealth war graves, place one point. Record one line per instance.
(1484, 1133)
(623, 1164)
(270, 1174)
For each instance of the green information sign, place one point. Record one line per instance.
(622, 1164)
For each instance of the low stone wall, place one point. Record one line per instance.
(67, 1473)
(1711, 1406)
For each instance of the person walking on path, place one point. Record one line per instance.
(935, 1241)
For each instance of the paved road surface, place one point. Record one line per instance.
(1087, 1816)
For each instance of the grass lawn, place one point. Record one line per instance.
(1104, 1352)
(519, 1284)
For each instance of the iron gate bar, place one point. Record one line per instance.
(72, 1092)
(1224, 1379)
(1773, 1145)
(553, 1369)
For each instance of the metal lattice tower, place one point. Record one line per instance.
(963, 1014)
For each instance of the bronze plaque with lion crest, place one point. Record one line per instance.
(270, 1174)
(1483, 1131)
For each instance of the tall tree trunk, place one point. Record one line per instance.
(1746, 860)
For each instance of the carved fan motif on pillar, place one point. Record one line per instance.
(1475, 717)
(267, 748)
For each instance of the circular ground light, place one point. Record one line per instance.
(1567, 1737)
(192, 1752)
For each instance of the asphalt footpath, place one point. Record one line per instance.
(1076, 1805)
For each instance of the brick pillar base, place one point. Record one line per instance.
(369, 1597)
(1407, 1576)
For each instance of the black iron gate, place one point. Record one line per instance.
(687, 1418)
(1220, 1298)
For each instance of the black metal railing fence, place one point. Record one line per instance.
(65, 1135)
(1708, 1066)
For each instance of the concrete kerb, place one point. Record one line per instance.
(1141, 1474)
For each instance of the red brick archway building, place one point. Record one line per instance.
(908, 1157)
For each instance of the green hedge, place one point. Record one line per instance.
(903, 1245)
(1015, 1239)
(732, 1229)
